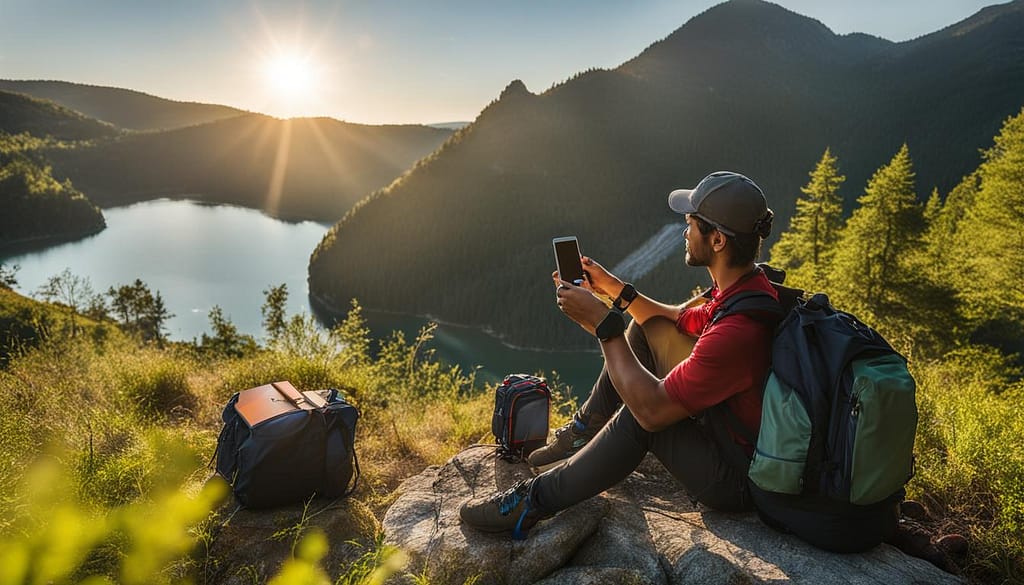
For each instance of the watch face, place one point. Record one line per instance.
(626, 297)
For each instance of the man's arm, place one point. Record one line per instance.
(643, 307)
(641, 391)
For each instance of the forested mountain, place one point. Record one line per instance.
(22, 113)
(304, 168)
(123, 108)
(36, 206)
(747, 86)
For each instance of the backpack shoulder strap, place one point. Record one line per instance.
(759, 304)
(755, 303)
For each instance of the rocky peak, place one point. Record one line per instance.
(515, 88)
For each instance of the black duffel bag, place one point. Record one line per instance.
(280, 446)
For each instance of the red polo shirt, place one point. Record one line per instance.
(729, 360)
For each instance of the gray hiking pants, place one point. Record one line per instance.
(687, 449)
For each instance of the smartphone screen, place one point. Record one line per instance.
(567, 259)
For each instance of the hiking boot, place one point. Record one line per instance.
(914, 510)
(508, 510)
(916, 541)
(568, 440)
(953, 544)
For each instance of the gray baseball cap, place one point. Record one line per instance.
(730, 201)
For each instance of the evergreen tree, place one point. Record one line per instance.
(226, 340)
(273, 310)
(990, 235)
(871, 274)
(121, 303)
(140, 311)
(943, 221)
(805, 250)
(156, 317)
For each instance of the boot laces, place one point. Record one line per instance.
(510, 498)
(563, 430)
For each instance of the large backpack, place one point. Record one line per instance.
(280, 446)
(522, 405)
(838, 422)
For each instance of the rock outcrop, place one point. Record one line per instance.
(645, 531)
(250, 546)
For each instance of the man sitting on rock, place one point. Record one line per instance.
(661, 373)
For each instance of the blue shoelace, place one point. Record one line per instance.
(510, 498)
(507, 502)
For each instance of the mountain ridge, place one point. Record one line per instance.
(319, 167)
(24, 113)
(595, 156)
(125, 108)
(981, 17)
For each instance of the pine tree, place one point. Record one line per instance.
(274, 311)
(157, 316)
(943, 222)
(871, 274)
(805, 250)
(990, 235)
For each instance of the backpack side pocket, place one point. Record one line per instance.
(781, 453)
(885, 418)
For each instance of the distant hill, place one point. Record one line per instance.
(306, 168)
(22, 113)
(747, 85)
(450, 125)
(123, 108)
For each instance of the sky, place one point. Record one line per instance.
(374, 62)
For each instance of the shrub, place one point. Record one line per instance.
(970, 466)
(155, 384)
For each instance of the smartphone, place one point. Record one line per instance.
(567, 259)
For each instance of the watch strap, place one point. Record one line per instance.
(613, 325)
(627, 294)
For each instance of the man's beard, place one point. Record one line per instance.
(694, 258)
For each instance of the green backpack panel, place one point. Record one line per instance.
(883, 391)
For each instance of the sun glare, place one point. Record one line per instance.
(290, 75)
(293, 81)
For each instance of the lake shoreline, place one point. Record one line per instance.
(321, 303)
(138, 197)
(39, 243)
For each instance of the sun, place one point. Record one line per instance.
(293, 81)
(290, 74)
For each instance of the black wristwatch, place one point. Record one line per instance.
(613, 325)
(628, 294)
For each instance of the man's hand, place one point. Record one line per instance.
(579, 304)
(600, 280)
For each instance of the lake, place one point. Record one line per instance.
(199, 256)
